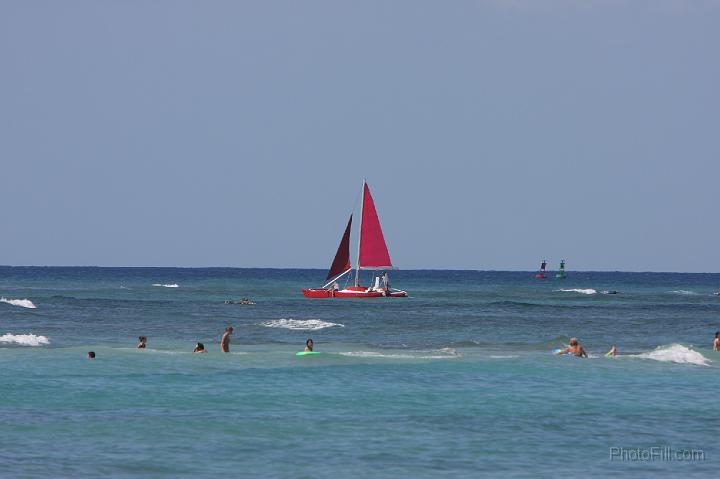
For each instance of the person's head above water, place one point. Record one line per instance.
(309, 343)
(91, 354)
(573, 342)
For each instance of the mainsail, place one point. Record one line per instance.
(373, 252)
(341, 263)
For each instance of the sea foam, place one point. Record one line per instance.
(676, 353)
(579, 290)
(444, 353)
(24, 339)
(300, 324)
(684, 291)
(171, 285)
(24, 303)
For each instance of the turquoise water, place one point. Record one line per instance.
(454, 381)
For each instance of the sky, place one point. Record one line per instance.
(492, 133)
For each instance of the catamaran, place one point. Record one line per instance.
(541, 274)
(372, 254)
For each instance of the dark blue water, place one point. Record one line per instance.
(456, 380)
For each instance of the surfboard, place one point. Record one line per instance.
(557, 350)
(306, 353)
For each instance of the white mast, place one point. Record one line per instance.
(357, 263)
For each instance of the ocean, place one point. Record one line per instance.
(456, 380)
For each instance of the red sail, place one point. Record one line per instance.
(373, 250)
(341, 263)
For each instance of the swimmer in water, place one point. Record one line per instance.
(91, 354)
(199, 348)
(575, 348)
(309, 345)
(716, 343)
(225, 341)
(612, 353)
(142, 342)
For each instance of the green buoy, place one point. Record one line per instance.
(561, 274)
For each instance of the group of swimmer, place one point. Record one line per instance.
(239, 301)
(576, 349)
(200, 347)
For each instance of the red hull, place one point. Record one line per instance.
(351, 292)
(540, 276)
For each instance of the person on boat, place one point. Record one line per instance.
(225, 341)
(716, 343)
(575, 348)
(309, 345)
(612, 353)
(386, 281)
(335, 286)
(199, 348)
(142, 342)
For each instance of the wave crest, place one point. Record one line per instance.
(444, 353)
(24, 303)
(24, 339)
(579, 290)
(676, 353)
(169, 285)
(300, 324)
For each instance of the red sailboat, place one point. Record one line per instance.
(372, 254)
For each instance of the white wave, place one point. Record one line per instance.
(300, 324)
(25, 303)
(24, 339)
(684, 291)
(579, 290)
(504, 356)
(444, 353)
(171, 285)
(675, 353)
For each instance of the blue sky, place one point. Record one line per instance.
(492, 133)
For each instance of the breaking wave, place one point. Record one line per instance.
(24, 339)
(444, 353)
(675, 353)
(579, 290)
(684, 291)
(300, 324)
(171, 285)
(24, 303)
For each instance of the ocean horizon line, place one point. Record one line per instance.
(275, 268)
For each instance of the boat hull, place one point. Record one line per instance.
(352, 292)
(540, 276)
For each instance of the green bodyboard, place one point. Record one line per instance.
(306, 353)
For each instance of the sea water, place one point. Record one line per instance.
(456, 380)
